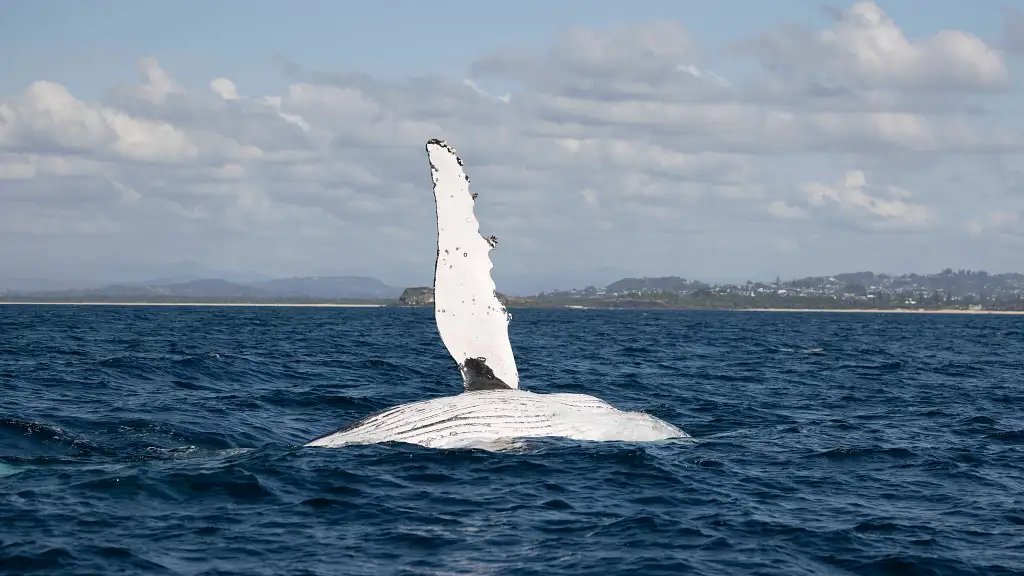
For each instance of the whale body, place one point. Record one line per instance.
(473, 325)
(477, 418)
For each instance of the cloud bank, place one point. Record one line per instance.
(615, 151)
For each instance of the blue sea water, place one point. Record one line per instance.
(167, 440)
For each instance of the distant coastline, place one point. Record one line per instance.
(838, 310)
(947, 292)
(516, 303)
(887, 310)
(221, 304)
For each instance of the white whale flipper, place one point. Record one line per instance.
(472, 322)
(473, 325)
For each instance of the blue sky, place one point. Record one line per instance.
(89, 46)
(709, 140)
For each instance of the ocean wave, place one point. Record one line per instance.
(160, 441)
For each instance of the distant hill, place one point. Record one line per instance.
(418, 296)
(948, 288)
(318, 289)
(32, 285)
(214, 289)
(332, 287)
(959, 283)
(662, 284)
(97, 276)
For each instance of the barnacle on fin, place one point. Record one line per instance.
(492, 240)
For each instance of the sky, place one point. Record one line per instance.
(716, 141)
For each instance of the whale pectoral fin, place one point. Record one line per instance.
(471, 319)
(477, 375)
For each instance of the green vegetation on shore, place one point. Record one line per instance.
(946, 290)
(670, 301)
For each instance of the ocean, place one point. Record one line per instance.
(167, 440)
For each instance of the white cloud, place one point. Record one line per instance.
(224, 88)
(996, 221)
(158, 85)
(47, 116)
(506, 98)
(781, 209)
(617, 148)
(866, 49)
(850, 196)
(17, 171)
(128, 194)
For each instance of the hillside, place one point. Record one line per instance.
(284, 290)
(332, 288)
(948, 289)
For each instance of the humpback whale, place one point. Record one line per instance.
(473, 325)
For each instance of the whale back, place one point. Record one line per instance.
(472, 321)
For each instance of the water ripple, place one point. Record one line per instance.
(167, 441)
